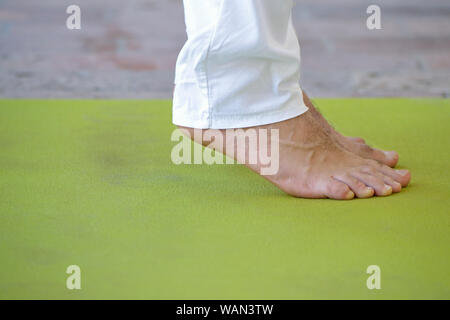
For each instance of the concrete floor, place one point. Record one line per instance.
(128, 49)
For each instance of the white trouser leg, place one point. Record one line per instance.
(240, 66)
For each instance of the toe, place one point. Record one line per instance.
(360, 189)
(401, 176)
(356, 139)
(338, 190)
(396, 186)
(389, 158)
(375, 182)
(404, 177)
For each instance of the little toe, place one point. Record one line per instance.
(338, 190)
(360, 189)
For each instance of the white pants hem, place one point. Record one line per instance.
(287, 112)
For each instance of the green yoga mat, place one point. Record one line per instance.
(91, 183)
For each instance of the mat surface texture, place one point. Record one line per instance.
(91, 183)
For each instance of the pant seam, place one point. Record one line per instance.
(211, 41)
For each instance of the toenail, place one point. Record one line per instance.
(387, 189)
(350, 195)
(402, 172)
(390, 154)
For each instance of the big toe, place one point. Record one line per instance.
(389, 158)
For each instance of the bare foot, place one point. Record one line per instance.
(353, 144)
(313, 165)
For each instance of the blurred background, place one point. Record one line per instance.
(128, 49)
